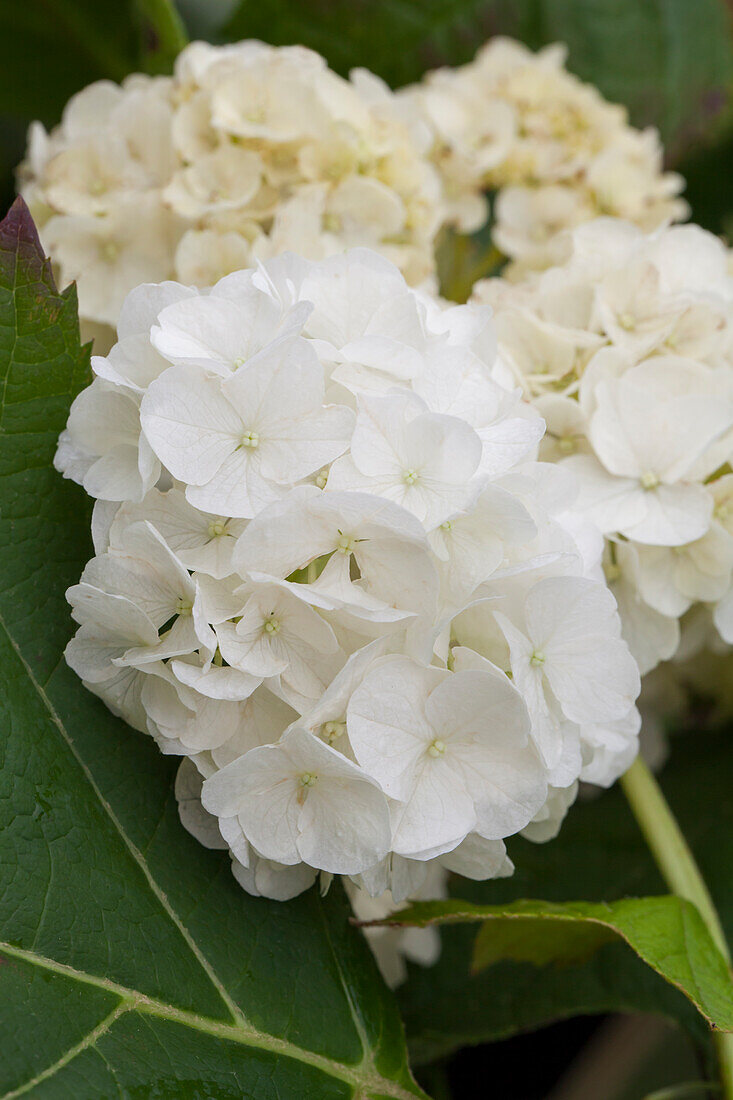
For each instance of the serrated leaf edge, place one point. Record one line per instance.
(563, 913)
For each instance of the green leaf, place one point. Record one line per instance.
(205, 18)
(54, 48)
(131, 963)
(161, 34)
(669, 61)
(599, 854)
(667, 933)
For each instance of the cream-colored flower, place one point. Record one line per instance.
(109, 256)
(247, 151)
(204, 256)
(225, 179)
(557, 153)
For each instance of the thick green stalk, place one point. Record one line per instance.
(681, 873)
(669, 847)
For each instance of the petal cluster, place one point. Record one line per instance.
(557, 153)
(626, 349)
(247, 150)
(331, 576)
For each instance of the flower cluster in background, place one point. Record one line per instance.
(246, 151)
(331, 575)
(558, 154)
(626, 349)
(250, 150)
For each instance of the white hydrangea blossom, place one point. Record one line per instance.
(331, 575)
(518, 123)
(246, 151)
(626, 349)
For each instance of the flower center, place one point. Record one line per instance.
(183, 606)
(306, 780)
(272, 625)
(447, 526)
(250, 439)
(410, 476)
(345, 545)
(216, 528)
(649, 480)
(436, 748)
(331, 731)
(537, 659)
(567, 444)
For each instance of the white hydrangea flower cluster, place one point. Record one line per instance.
(557, 152)
(330, 574)
(246, 151)
(626, 349)
(250, 150)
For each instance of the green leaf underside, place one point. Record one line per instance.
(667, 933)
(131, 963)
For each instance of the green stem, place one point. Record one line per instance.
(669, 847)
(681, 873)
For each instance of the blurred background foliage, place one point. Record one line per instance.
(671, 63)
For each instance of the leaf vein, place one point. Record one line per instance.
(242, 1033)
(88, 1041)
(233, 1008)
